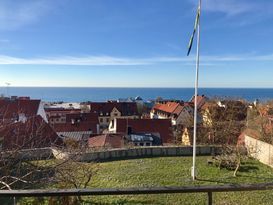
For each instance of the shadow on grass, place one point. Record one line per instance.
(215, 181)
(6, 200)
(248, 168)
(258, 177)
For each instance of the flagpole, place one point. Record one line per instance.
(193, 169)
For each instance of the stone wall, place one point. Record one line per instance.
(28, 154)
(111, 155)
(260, 150)
(142, 152)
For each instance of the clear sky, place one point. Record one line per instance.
(135, 43)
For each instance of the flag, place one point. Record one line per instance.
(195, 27)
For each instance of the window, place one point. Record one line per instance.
(148, 144)
(141, 144)
(101, 120)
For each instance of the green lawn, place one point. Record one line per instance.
(175, 171)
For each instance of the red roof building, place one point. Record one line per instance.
(82, 117)
(33, 133)
(78, 126)
(167, 108)
(105, 108)
(108, 111)
(179, 113)
(20, 109)
(75, 127)
(58, 115)
(159, 127)
(106, 140)
(201, 100)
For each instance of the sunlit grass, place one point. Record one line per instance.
(175, 171)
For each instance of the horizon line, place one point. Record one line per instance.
(136, 87)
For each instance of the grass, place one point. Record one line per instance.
(175, 171)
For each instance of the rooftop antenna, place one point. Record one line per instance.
(7, 87)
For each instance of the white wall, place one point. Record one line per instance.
(260, 150)
(41, 111)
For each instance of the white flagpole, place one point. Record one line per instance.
(193, 169)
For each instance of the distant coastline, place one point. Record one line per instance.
(80, 94)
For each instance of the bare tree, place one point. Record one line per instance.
(259, 121)
(23, 165)
(231, 158)
(226, 122)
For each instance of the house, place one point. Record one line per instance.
(201, 100)
(108, 111)
(78, 126)
(162, 128)
(68, 105)
(58, 115)
(206, 112)
(160, 100)
(82, 117)
(106, 141)
(20, 109)
(186, 137)
(35, 132)
(203, 136)
(179, 113)
(143, 139)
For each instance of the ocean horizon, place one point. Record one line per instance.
(82, 94)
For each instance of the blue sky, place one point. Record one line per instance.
(135, 43)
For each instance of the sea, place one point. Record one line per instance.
(97, 94)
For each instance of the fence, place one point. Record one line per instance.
(137, 191)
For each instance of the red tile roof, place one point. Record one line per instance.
(208, 105)
(34, 133)
(11, 108)
(126, 108)
(178, 110)
(62, 110)
(201, 100)
(83, 117)
(106, 140)
(169, 107)
(76, 127)
(161, 126)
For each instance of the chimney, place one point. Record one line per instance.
(72, 121)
